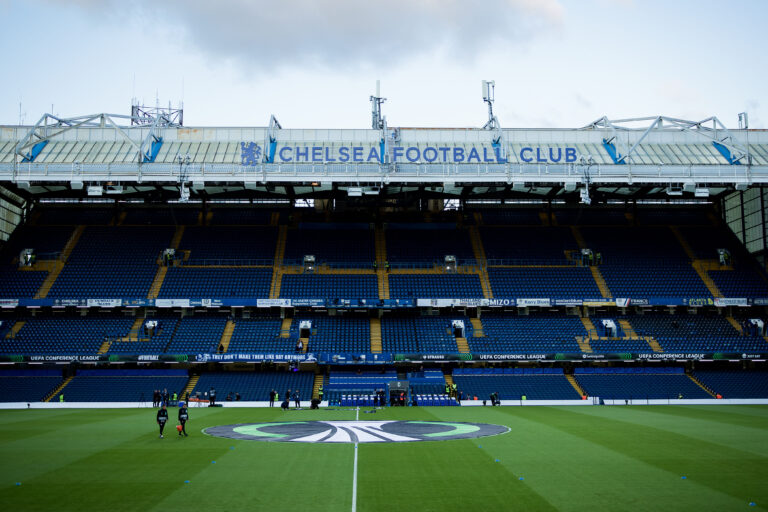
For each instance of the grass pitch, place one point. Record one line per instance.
(554, 458)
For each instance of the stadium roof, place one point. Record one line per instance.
(153, 154)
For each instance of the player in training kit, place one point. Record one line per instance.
(183, 417)
(162, 418)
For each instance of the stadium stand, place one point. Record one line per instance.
(428, 335)
(560, 283)
(185, 282)
(434, 286)
(260, 334)
(700, 332)
(334, 333)
(112, 262)
(255, 386)
(638, 383)
(65, 335)
(331, 242)
(123, 385)
(414, 242)
(544, 333)
(735, 383)
(514, 383)
(27, 385)
(314, 286)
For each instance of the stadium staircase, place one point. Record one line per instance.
(121, 218)
(702, 267)
(545, 220)
(157, 282)
(162, 270)
(58, 389)
(191, 383)
(583, 341)
(462, 345)
(15, 329)
(702, 386)
(572, 380)
(448, 380)
(596, 274)
(380, 240)
(734, 323)
(477, 328)
(208, 217)
(53, 274)
(226, 336)
(305, 344)
(277, 270)
(285, 328)
(630, 218)
(133, 335)
(479, 251)
(600, 281)
(274, 219)
(478, 218)
(375, 335)
(631, 334)
(317, 385)
(200, 219)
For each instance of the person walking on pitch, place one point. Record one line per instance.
(183, 417)
(162, 419)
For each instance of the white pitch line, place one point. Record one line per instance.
(354, 474)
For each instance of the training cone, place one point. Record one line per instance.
(178, 427)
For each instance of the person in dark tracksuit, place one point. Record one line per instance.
(296, 399)
(183, 417)
(272, 398)
(162, 419)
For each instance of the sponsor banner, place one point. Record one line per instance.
(273, 303)
(356, 358)
(253, 358)
(432, 357)
(626, 302)
(70, 302)
(667, 301)
(524, 303)
(137, 303)
(104, 303)
(760, 302)
(206, 303)
(308, 303)
(172, 303)
(513, 357)
(9, 303)
(699, 302)
(252, 154)
(723, 302)
(567, 302)
(499, 303)
(599, 302)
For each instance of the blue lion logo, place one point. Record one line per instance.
(250, 153)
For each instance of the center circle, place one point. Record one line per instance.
(356, 431)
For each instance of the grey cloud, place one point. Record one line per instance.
(263, 35)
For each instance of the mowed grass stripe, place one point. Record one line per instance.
(575, 474)
(737, 474)
(32, 448)
(695, 423)
(439, 476)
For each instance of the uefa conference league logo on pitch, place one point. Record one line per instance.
(356, 431)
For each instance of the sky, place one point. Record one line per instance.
(314, 63)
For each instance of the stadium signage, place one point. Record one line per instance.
(342, 432)
(524, 303)
(721, 302)
(251, 358)
(251, 154)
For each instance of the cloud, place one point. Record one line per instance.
(263, 35)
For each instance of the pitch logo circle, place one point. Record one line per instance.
(356, 431)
